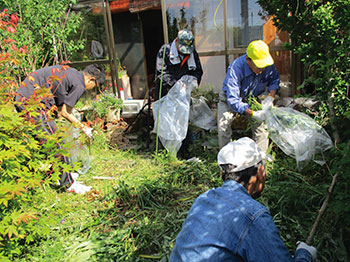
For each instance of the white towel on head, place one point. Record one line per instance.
(175, 57)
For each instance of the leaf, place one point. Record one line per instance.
(31, 78)
(12, 230)
(25, 217)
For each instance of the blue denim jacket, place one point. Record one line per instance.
(226, 224)
(240, 81)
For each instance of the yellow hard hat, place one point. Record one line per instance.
(258, 52)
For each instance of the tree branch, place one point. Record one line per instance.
(322, 210)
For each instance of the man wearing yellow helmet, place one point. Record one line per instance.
(253, 73)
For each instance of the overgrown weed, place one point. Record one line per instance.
(137, 215)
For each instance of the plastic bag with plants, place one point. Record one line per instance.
(201, 115)
(296, 134)
(171, 114)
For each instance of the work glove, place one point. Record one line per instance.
(312, 250)
(267, 102)
(259, 115)
(88, 131)
(79, 188)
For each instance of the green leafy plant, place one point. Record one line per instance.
(29, 157)
(253, 103)
(105, 102)
(46, 29)
(208, 92)
(319, 32)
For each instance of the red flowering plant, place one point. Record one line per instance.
(28, 156)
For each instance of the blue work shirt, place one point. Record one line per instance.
(241, 80)
(227, 224)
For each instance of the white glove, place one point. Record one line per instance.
(88, 131)
(267, 102)
(259, 115)
(79, 188)
(312, 250)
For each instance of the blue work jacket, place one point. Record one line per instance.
(227, 224)
(241, 80)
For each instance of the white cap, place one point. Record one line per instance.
(242, 153)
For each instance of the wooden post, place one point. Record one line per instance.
(108, 46)
(165, 25)
(227, 62)
(111, 37)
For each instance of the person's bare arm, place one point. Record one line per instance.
(248, 112)
(273, 93)
(67, 112)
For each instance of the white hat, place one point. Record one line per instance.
(242, 153)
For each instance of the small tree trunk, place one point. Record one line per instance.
(322, 210)
(334, 127)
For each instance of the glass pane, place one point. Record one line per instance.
(205, 20)
(92, 29)
(214, 72)
(92, 32)
(243, 22)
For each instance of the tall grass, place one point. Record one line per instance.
(137, 215)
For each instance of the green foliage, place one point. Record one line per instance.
(137, 215)
(208, 92)
(319, 32)
(340, 165)
(28, 156)
(46, 30)
(253, 103)
(294, 199)
(25, 165)
(105, 102)
(152, 211)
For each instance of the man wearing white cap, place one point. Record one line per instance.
(253, 73)
(227, 224)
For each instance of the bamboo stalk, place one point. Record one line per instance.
(332, 115)
(322, 210)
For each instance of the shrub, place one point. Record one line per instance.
(106, 102)
(28, 156)
(46, 29)
(319, 32)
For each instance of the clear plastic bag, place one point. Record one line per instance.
(296, 134)
(79, 152)
(174, 113)
(201, 115)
